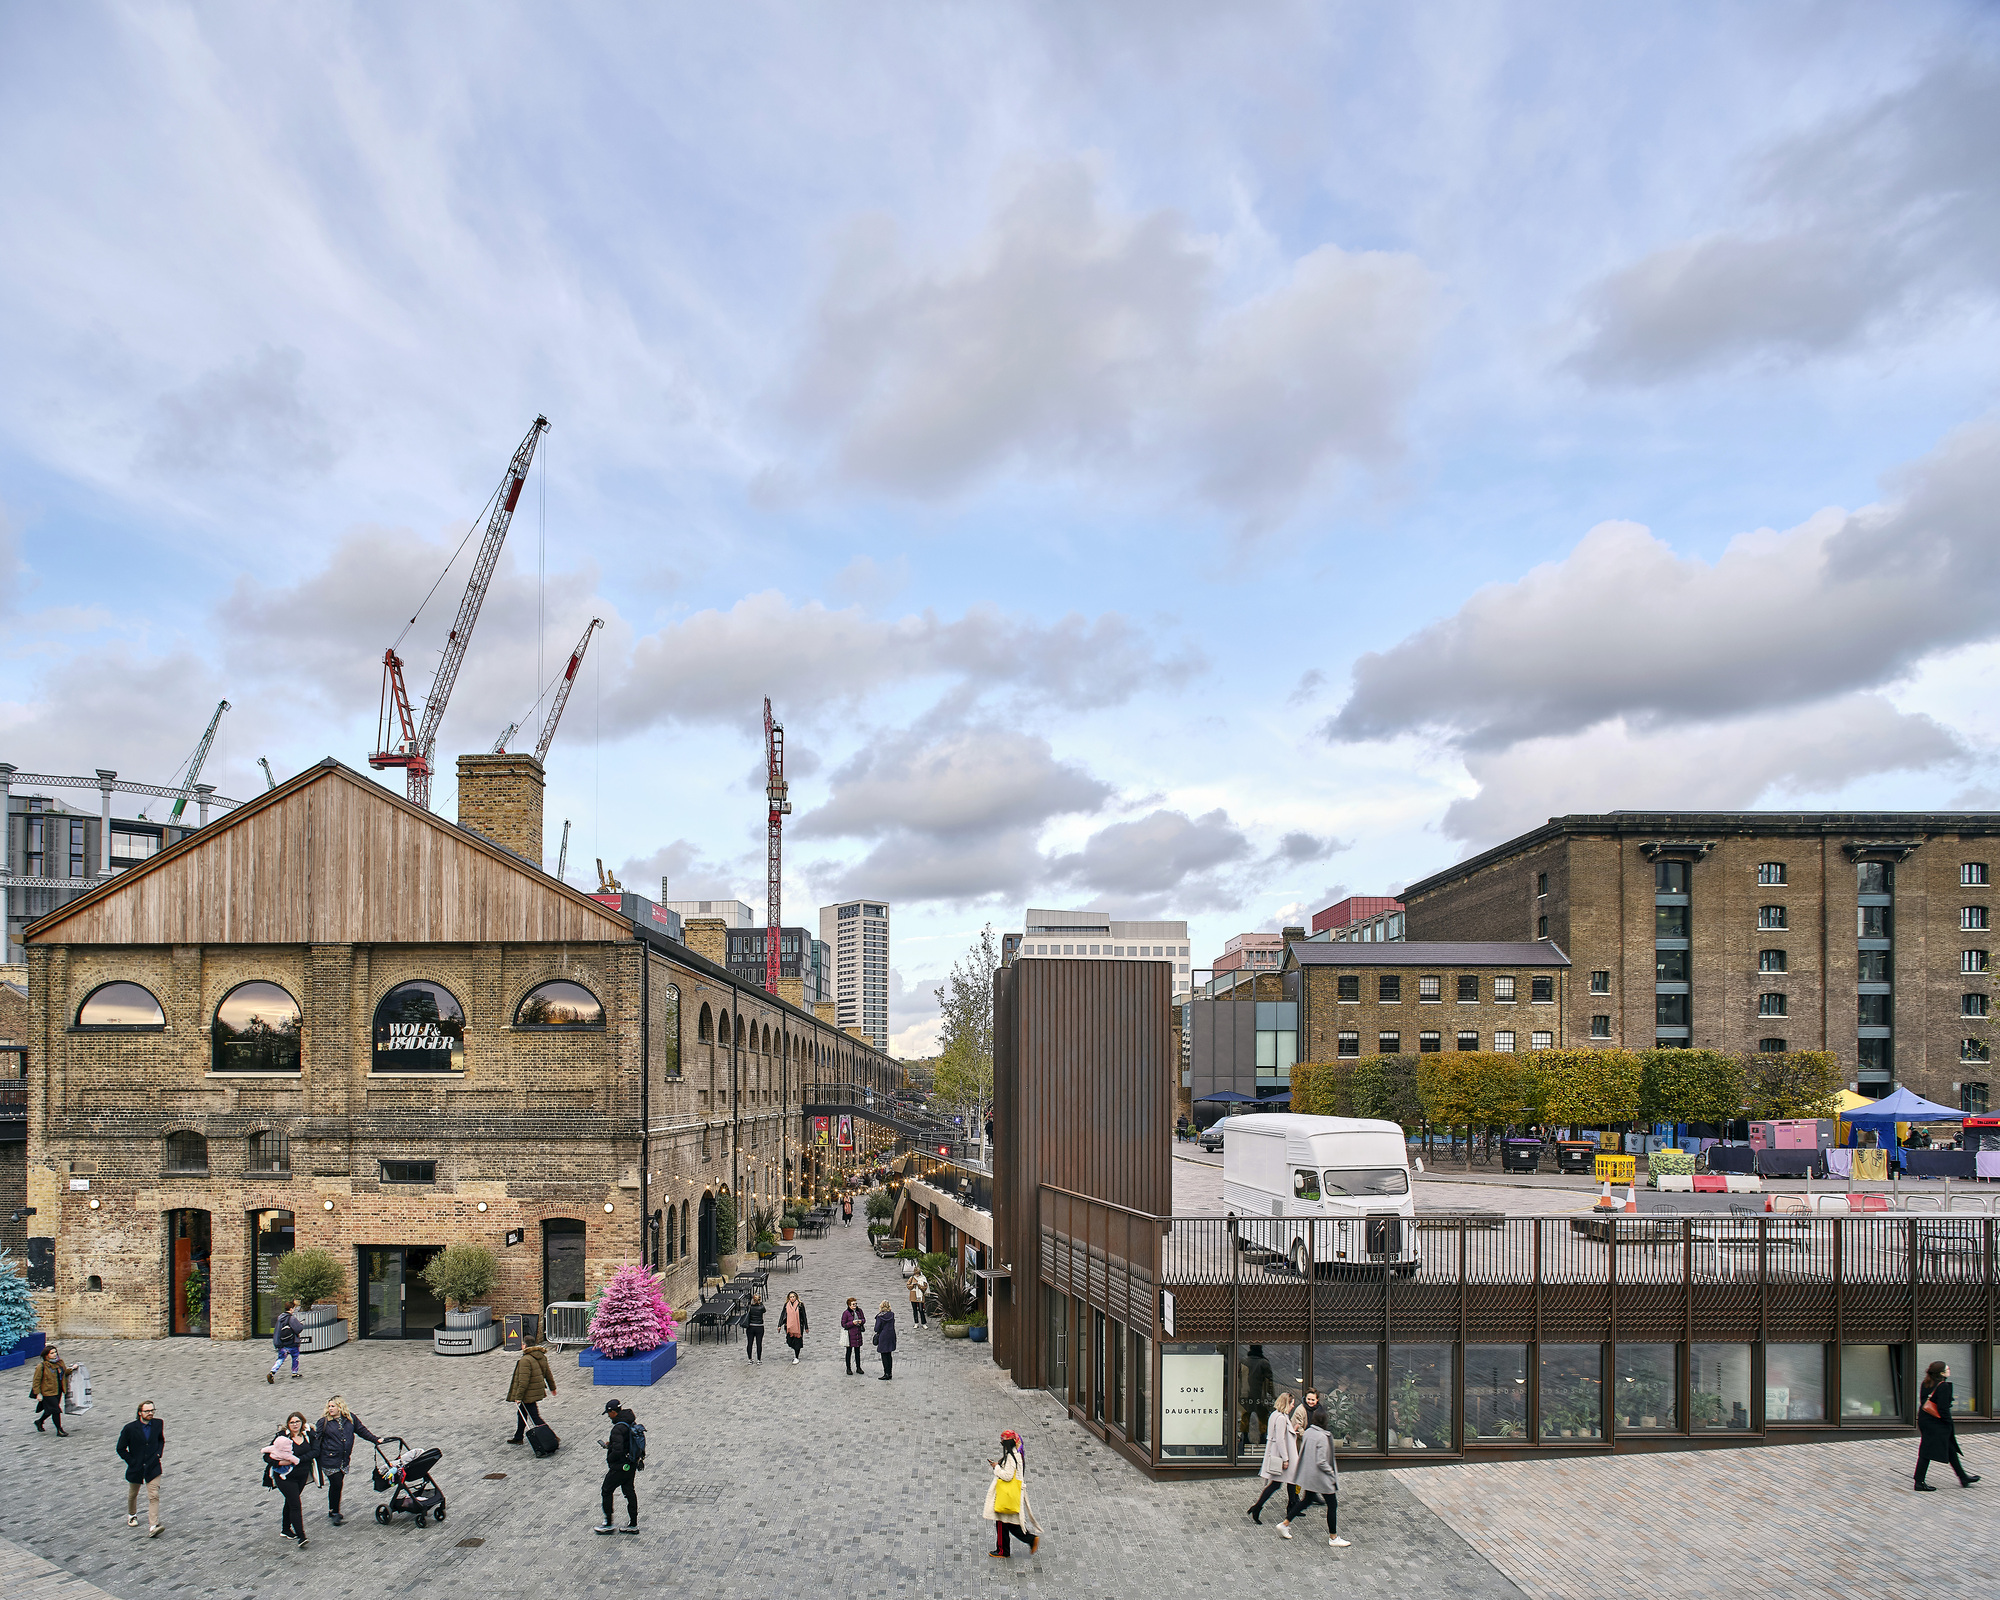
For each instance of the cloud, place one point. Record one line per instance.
(1159, 863)
(13, 570)
(1623, 627)
(1070, 337)
(969, 782)
(716, 666)
(691, 875)
(252, 416)
(1311, 681)
(1886, 215)
(1730, 765)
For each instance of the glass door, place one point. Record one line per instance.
(272, 1234)
(382, 1301)
(188, 1233)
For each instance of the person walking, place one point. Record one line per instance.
(288, 1469)
(1295, 1500)
(336, 1435)
(533, 1381)
(1007, 1505)
(1937, 1434)
(885, 1340)
(847, 1211)
(793, 1319)
(47, 1388)
(1318, 1475)
(853, 1320)
(920, 1289)
(1281, 1453)
(624, 1455)
(141, 1443)
(753, 1329)
(285, 1337)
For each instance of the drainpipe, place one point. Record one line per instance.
(645, 1094)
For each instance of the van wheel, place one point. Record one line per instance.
(1300, 1264)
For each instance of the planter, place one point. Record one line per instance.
(977, 1333)
(588, 1357)
(637, 1371)
(788, 1234)
(319, 1316)
(909, 1269)
(460, 1340)
(726, 1266)
(318, 1336)
(471, 1317)
(28, 1347)
(957, 1330)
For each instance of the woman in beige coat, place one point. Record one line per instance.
(1007, 1505)
(1281, 1453)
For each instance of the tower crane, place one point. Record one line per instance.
(270, 782)
(562, 688)
(415, 743)
(781, 807)
(195, 761)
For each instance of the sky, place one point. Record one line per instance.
(1191, 461)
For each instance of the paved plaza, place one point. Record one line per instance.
(764, 1480)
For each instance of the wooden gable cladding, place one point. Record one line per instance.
(330, 858)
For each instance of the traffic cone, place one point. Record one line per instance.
(1632, 1195)
(1604, 1200)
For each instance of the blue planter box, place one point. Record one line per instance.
(648, 1367)
(27, 1349)
(588, 1356)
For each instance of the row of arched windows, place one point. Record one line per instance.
(709, 1028)
(419, 1026)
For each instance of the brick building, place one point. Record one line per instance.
(334, 1019)
(1418, 999)
(1863, 933)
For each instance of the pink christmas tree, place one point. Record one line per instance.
(632, 1315)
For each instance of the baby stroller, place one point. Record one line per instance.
(405, 1477)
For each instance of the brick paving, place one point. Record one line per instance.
(1785, 1522)
(762, 1480)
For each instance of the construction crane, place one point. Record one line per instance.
(270, 782)
(195, 761)
(562, 857)
(562, 688)
(414, 744)
(781, 807)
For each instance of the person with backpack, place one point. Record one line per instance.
(335, 1452)
(624, 1459)
(533, 1378)
(140, 1446)
(793, 1319)
(847, 1211)
(1007, 1505)
(47, 1388)
(285, 1338)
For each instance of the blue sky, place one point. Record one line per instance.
(1197, 461)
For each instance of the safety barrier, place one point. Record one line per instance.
(566, 1322)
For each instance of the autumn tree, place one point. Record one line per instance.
(962, 1078)
(1589, 1088)
(1690, 1086)
(1794, 1083)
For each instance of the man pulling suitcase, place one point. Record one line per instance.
(532, 1379)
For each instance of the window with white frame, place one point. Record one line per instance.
(1503, 1041)
(1542, 1039)
(1350, 1044)
(1972, 918)
(1600, 982)
(1772, 961)
(1503, 990)
(1770, 873)
(1389, 1044)
(1600, 1025)
(1430, 988)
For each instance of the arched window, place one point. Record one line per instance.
(722, 1028)
(767, 1038)
(704, 1025)
(667, 1028)
(256, 1030)
(669, 1234)
(684, 1229)
(559, 1004)
(739, 1030)
(120, 1005)
(187, 1152)
(419, 1027)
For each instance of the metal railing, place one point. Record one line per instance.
(566, 1322)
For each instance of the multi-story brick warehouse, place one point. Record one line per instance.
(1863, 933)
(334, 1019)
(1411, 999)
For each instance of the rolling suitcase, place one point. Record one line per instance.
(543, 1440)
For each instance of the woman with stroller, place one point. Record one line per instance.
(337, 1430)
(288, 1468)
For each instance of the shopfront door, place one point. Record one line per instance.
(271, 1236)
(562, 1261)
(396, 1303)
(187, 1236)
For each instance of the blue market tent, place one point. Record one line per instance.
(1902, 1106)
(1229, 1094)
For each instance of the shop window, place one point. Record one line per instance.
(419, 1027)
(1794, 1383)
(1873, 1379)
(256, 1030)
(1429, 1043)
(186, 1153)
(1959, 1357)
(1496, 1393)
(559, 1004)
(1350, 1044)
(268, 1152)
(1719, 1386)
(120, 1006)
(1348, 987)
(1263, 1371)
(1542, 1039)
(1542, 991)
(1141, 1369)
(1345, 1375)
(1503, 991)
(1194, 1407)
(1468, 1039)
(1421, 1394)
(1389, 990)
(1468, 989)
(409, 1172)
(1571, 1402)
(1645, 1389)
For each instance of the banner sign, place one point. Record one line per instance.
(1191, 1403)
(821, 1129)
(844, 1135)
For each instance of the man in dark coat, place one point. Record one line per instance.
(619, 1465)
(140, 1445)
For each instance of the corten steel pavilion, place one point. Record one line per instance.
(1168, 1337)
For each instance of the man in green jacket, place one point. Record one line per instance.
(532, 1380)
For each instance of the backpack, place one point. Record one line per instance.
(635, 1447)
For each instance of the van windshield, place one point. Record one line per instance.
(1367, 1180)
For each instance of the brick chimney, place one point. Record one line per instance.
(500, 797)
(792, 991)
(707, 937)
(825, 1010)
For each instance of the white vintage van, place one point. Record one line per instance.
(1330, 1191)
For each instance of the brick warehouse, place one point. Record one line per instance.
(1391, 999)
(333, 1019)
(1862, 933)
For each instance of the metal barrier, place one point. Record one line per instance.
(566, 1322)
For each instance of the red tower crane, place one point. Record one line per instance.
(781, 807)
(400, 740)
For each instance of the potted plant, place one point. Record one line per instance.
(976, 1328)
(314, 1278)
(633, 1331)
(909, 1261)
(795, 1219)
(725, 1236)
(956, 1301)
(195, 1293)
(459, 1275)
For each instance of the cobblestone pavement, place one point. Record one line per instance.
(762, 1480)
(1787, 1522)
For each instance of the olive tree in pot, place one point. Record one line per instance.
(314, 1278)
(458, 1275)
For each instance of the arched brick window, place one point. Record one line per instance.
(704, 1025)
(187, 1152)
(559, 1004)
(256, 1030)
(120, 1005)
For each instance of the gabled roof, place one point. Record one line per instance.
(1438, 953)
(329, 857)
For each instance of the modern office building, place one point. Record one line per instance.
(1864, 933)
(1251, 952)
(857, 932)
(1360, 919)
(734, 913)
(800, 956)
(1097, 936)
